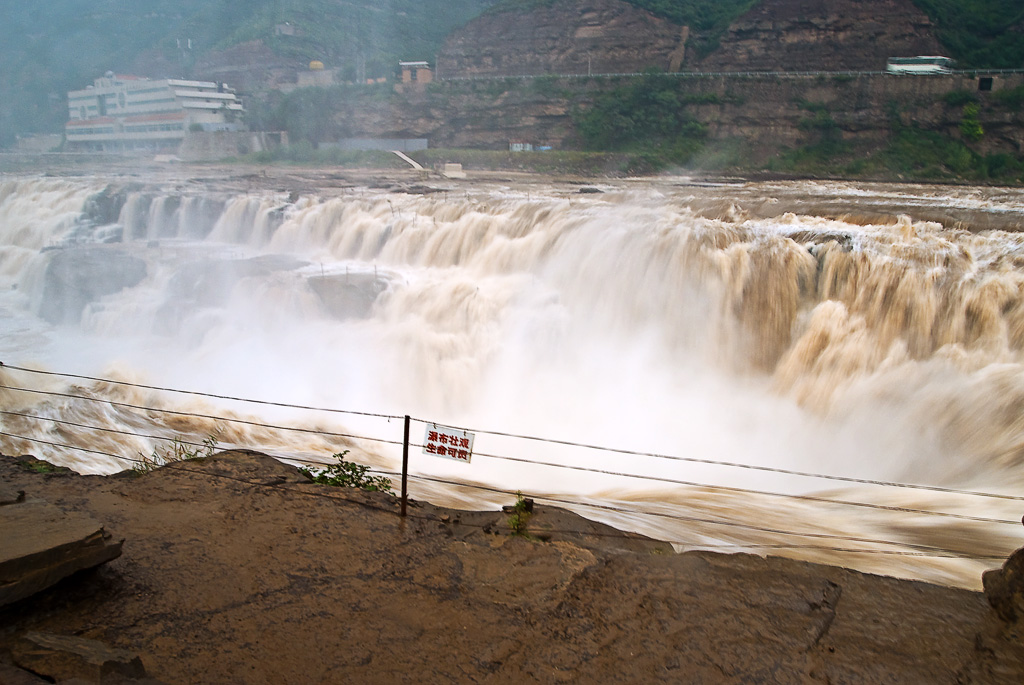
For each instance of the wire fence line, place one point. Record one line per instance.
(721, 488)
(553, 441)
(196, 415)
(920, 550)
(194, 392)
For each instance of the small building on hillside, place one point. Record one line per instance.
(287, 29)
(416, 72)
(317, 76)
(129, 113)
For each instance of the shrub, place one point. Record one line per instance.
(177, 452)
(521, 513)
(348, 474)
(1012, 98)
(959, 98)
(970, 126)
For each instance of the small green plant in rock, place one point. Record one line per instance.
(522, 510)
(178, 451)
(40, 466)
(348, 474)
(970, 126)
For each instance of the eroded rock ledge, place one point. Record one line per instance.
(240, 570)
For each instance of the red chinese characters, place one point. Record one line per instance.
(450, 443)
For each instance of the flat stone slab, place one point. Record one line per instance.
(63, 657)
(41, 544)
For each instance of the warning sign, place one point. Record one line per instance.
(450, 443)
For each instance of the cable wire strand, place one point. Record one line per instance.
(197, 393)
(919, 550)
(210, 417)
(752, 467)
(722, 488)
(690, 519)
(567, 443)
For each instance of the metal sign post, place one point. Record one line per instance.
(405, 466)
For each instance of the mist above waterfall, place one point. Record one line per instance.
(740, 324)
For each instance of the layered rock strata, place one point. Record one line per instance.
(566, 37)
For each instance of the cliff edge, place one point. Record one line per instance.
(237, 569)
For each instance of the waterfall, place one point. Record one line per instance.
(731, 324)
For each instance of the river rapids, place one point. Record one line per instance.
(869, 333)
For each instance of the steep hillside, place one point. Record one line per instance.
(705, 19)
(623, 36)
(362, 38)
(980, 33)
(977, 33)
(563, 37)
(828, 35)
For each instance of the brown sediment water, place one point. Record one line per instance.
(871, 332)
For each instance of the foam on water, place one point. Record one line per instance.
(702, 322)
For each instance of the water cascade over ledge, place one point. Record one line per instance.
(867, 332)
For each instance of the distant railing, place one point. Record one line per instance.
(973, 73)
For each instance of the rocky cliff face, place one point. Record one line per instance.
(827, 35)
(611, 36)
(567, 37)
(767, 113)
(248, 66)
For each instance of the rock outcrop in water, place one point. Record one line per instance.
(78, 276)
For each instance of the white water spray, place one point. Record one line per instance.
(682, 321)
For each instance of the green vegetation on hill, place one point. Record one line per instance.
(646, 117)
(707, 18)
(911, 151)
(310, 114)
(702, 15)
(980, 33)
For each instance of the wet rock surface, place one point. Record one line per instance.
(78, 276)
(62, 657)
(348, 296)
(42, 544)
(1004, 588)
(237, 569)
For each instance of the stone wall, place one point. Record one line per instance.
(765, 111)
(206, 146)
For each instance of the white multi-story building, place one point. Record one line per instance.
(125, 113)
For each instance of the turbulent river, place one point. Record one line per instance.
(873, 334)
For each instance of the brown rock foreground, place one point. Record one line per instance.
(42, 545)
(237, 570)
